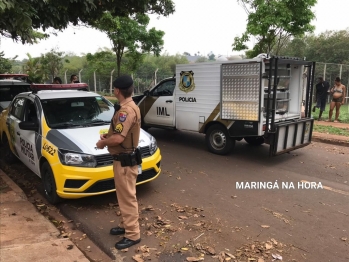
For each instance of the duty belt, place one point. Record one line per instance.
(116, 157)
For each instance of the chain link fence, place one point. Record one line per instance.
(102, 83)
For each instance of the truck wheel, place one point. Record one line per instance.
(218, 140)
(254, 140)
(6, 152)
(49, 184)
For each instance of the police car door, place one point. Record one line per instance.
(28, 138)
(160, 105)
(15, 116)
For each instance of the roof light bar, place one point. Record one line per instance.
(11, 76)
(39, 87)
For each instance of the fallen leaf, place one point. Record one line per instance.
(344, 238)
(149, 208)
(112, 221)
(197, 224)
(69, 247)
(268, 246)
(183, 217)
(138, 258)
(276, 256)
(124, 250)
(194, 259)
(184, 248)
(229, 255)
(265, 226)
(210, 250)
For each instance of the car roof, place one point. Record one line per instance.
(55, 94)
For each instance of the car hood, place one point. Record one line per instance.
(83, 140)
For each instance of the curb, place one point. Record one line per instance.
(331, 141)
(13, 185)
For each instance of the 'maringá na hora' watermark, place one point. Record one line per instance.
(279, 185)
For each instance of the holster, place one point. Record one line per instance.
(129, 159)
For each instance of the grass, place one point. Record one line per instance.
(343, 113)
(332, 130)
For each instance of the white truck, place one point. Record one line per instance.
(259, 100)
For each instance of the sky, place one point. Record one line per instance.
(197, 26)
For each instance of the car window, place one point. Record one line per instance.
(84, 111)
(164, 89)
(30, 113)
(17, 108)
(8, 92)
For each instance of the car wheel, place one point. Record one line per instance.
(6, 152)
(218, 140)
(49, 184)
(255, 140)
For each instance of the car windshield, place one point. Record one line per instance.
(77, 111)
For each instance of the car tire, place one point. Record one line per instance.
(6, 152)
(218, 140)
(49, 184)
(254, 140)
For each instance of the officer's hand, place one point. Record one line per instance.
(100, 144)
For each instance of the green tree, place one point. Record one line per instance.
(52, 62)
(327, 47)
(33, 68)
(5, 64)
(272, 22)
(19, 19)
(201, 59)
(129, 36)
(211, 56)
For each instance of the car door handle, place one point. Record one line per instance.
(18, 133)
(169, 101)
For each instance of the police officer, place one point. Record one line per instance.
(121, 140)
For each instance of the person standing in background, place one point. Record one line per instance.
(322, 88)
(338, 92)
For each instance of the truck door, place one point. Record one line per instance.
(158, 108)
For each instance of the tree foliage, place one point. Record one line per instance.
(129, 36)
(52, 62)
(5, 64)
(19, 19)
(272, 22)
(33, 68)
(328, 47)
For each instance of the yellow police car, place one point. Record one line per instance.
(53, 131)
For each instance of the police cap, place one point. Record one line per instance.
(123, 82)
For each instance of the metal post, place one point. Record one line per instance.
(340, 71)
(155, 76)
(65, 76)
(94, 80)
(80, 75)
(324, 72)
(111, 81)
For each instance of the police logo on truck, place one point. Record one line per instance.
(186, 83)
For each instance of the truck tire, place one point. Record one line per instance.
(254, 140)
(6, 152)
(49, 184)
(218, 140)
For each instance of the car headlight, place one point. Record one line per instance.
(153, 145)
(75, 159)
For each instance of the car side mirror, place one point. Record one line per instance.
(29, 125)
(146, 93)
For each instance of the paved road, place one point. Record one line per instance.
(195, 207)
